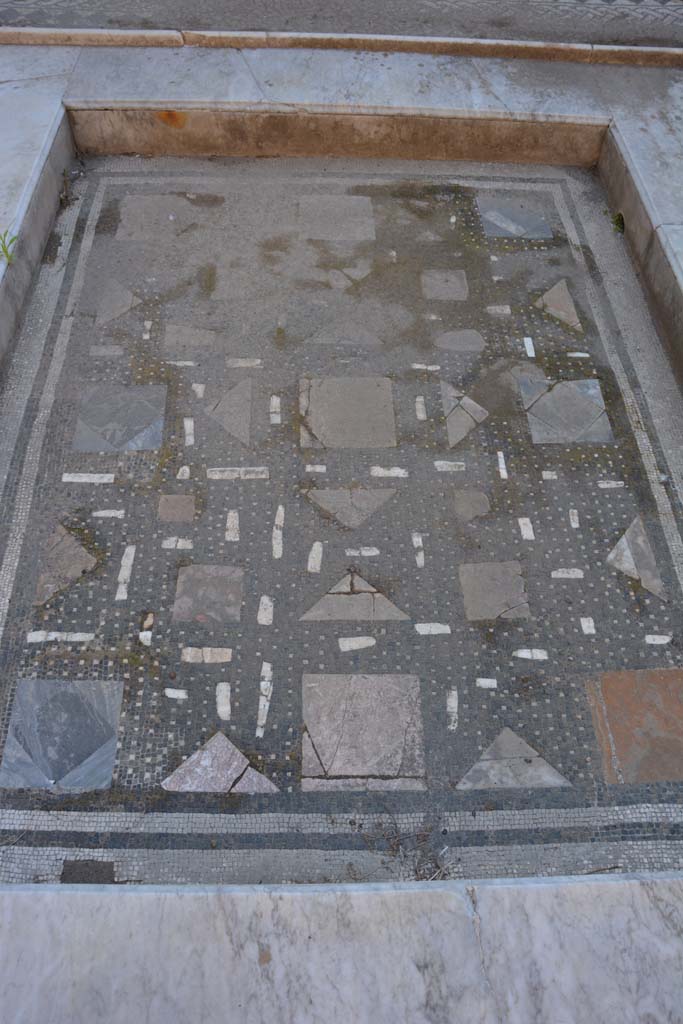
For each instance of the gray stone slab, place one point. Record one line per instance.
(117, 418)
(62, 735)
(350, 506)
(633, 555)
(253, 783)
(208, 595)
(511, 219)
(233, 411)
(557, 302)
(493, 590)
(214, 768)
(444, 285)
(353, 599)
(116, 301)
(65, 561)
(347, 412)
(176, 508)
(336, 218)
(510, 763)
(460, 341)
(565, 412)
(462, 413)
(469, 503)
(365, 725)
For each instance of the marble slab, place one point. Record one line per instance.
(580, 950)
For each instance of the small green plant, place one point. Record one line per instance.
(6, 246)
(618, 223)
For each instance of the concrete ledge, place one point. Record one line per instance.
(303, 133)
(524, 49)
(585, 950)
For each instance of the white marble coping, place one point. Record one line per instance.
(561, 951)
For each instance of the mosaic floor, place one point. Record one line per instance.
(340, 535)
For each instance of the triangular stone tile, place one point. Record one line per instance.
(117, 300)
(353, 599)
(64, 562)
(217, 767)
(510, 763)
(351, 506)
(558, 303)
(233, 411)
(633, 555)
(253, 782)
(462, 413)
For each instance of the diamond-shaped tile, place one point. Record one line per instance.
(116, 418)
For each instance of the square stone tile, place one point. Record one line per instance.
(347, 412)
(494, 590)
(62, 735)
(566, 411)
(208, 594)
(362, 727)
(511, 219)
(336, 218)
(64, 562)
(444, 285)
(638, 721)
(119, 418)
(176, 508)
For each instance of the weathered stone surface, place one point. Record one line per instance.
(214, 768)
(233, 411)
(510, 763)
(347, 412)
(116, 301)
(351, 506)
(461, 341)
(445, 285)
(65, 561)
(566, 411)
(336, 218)
(633, 555)
(558, 302)
(470, 503)
(511, 219)
(176, 508)
(116, 418)
(494, 590)
(353, 599)
(208, 594)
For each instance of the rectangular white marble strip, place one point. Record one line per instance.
(179, 362)
(432, 628)
(238, 473)
(147, 329)
(578, 355)
(388, 471)
(199, 390)
(275, 410)
(175, 694)
(452, 710)
(125, 572)
(316, 469)
(42, 636)
(567, 574)
(420, 408)
(658, 638)
(206, 655)
(232, 526)
(531, 654)
(526, 529)
(278, 526)
(223, 701)
(145, 637)
(188, 427)
(486, 684)
(549, 474)
(264, 616)
(529, 348)
(419, 550)
(430, 367)
(177, 543)
(502, 467)
(498, 310)
(265, 694)
(573, 519)
(238, 363)
(362, 552)
(315, 557)
(588, 625)
(610, 485)
(355, 643)
(443, 466)
(109, 513)
(87, 478)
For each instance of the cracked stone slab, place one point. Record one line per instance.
(161, 217)
(460, 341)
(511, 219)
(351, 506)
(510, 763)
(469, 503)
(444, 285)
(118, 418)
(360, 726)
(217, 767)
(208, 594)
(365, 324)
(353, 599)
(233, 411)
(638, 721)
(557, 302)
(493, 590)
(62, 735)
(462, 413)
(347, 412)
(337, 218)
(633, 555)
(65, 561)
(566, 411)
(116, 301)
(176, 508)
